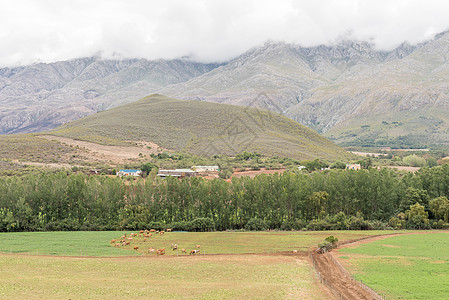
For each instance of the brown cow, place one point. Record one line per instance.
(184, 251)
(152, 230)
(160, 251)
(197, 246)
(136, 248)
(113, 241)
(194, 251)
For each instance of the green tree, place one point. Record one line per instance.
(440, 208)
(417, 217)
(412, 196)
(414, 160)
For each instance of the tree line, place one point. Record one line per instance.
(333, 199)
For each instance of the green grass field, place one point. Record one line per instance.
(97, 243)
(403, 267)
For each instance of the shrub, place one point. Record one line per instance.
(256, 224)
(202, 224)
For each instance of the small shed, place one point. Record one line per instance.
(129, 173)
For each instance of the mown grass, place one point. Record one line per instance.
(202, 128)
(404, 267)
(201, 277)
(97, 243)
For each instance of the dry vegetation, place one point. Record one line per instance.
(201, 128)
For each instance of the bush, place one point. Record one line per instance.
(156, 225)
(256, 224)
(414, 161)
(329, 243)
(319, 225)
(293, 225)
(202, 224)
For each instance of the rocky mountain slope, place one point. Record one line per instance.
(43, 96)
(350, 92)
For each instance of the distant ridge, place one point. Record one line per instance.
(202, 128)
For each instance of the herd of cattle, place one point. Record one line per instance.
(143, 236)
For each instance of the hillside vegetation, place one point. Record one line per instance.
(202, 128)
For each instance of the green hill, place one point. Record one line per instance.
(202, 128)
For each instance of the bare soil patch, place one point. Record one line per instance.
(115, 154)
(252, 174)
(404, 168)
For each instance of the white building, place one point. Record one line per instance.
(129, 173)
(201, 169)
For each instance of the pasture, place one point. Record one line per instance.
(414, 266)
(86, 265)
(97, 243)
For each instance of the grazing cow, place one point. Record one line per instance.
(124, 244)
(198, 246)
(113, 241)
(162, 232)
(117, 244)
(136, 248)
(160, 251)
(151, 250)
(194, 251)
(127, 243)
(144, 240)
(152, 230)
(130, 239)
(184, 251)
(168, 229)
(175, 247)
(141, 231)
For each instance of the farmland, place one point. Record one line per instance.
(411, 266)
(62, 271)
(97, 243)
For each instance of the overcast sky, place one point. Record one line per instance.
(206, 30)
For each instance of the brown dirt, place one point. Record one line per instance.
(404, 168)
(258, 172)
(115, 154)
(341, 283)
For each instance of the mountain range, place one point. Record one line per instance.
(349, 91)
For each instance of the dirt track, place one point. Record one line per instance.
(338, 280)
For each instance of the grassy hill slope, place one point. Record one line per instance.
(202, 128)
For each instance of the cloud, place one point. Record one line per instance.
(51, 30)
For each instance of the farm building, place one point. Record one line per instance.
(353, 166)
(177, 173)
(206, 168)
(129, 173)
